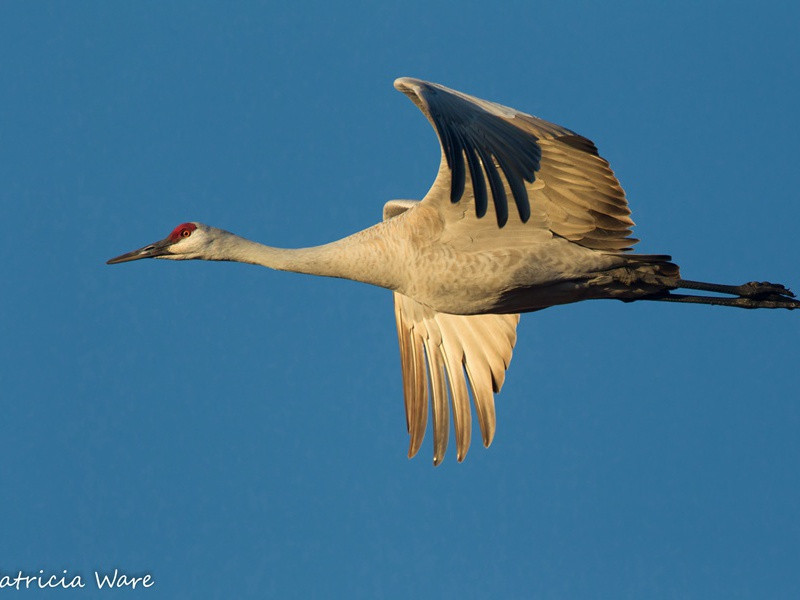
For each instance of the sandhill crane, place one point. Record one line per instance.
(462, 264)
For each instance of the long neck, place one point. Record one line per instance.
(364, 256)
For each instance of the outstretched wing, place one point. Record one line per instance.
(492, 154)
(439, 347)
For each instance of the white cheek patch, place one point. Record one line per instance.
(185, 248)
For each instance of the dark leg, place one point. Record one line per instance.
(754, 289)
(749, 295)
(740, 302)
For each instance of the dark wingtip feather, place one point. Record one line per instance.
(458, 177)
(478, 182)
(523, 206)
(467, 131)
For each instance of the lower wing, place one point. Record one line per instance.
(440, 347)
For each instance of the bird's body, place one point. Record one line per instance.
(410, 254)
(465, 260)
(464, 280)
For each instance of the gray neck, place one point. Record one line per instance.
(361, 257)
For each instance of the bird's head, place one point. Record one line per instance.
(187, 241)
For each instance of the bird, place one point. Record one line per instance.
(523, 214)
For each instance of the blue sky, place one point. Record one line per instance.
(236, 432)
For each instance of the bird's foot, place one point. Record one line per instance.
(764, 290)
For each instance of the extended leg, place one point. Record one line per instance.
(740, 302)
(754, 294)
(753, 289)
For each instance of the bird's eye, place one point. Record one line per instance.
(186, 233)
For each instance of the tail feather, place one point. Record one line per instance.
(662, 263)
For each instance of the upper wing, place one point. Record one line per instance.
(439, 347)
(555, 177)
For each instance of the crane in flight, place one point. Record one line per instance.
(523, 214)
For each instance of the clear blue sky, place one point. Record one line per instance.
(237, 432)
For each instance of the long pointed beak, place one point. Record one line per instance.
(152, 251)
